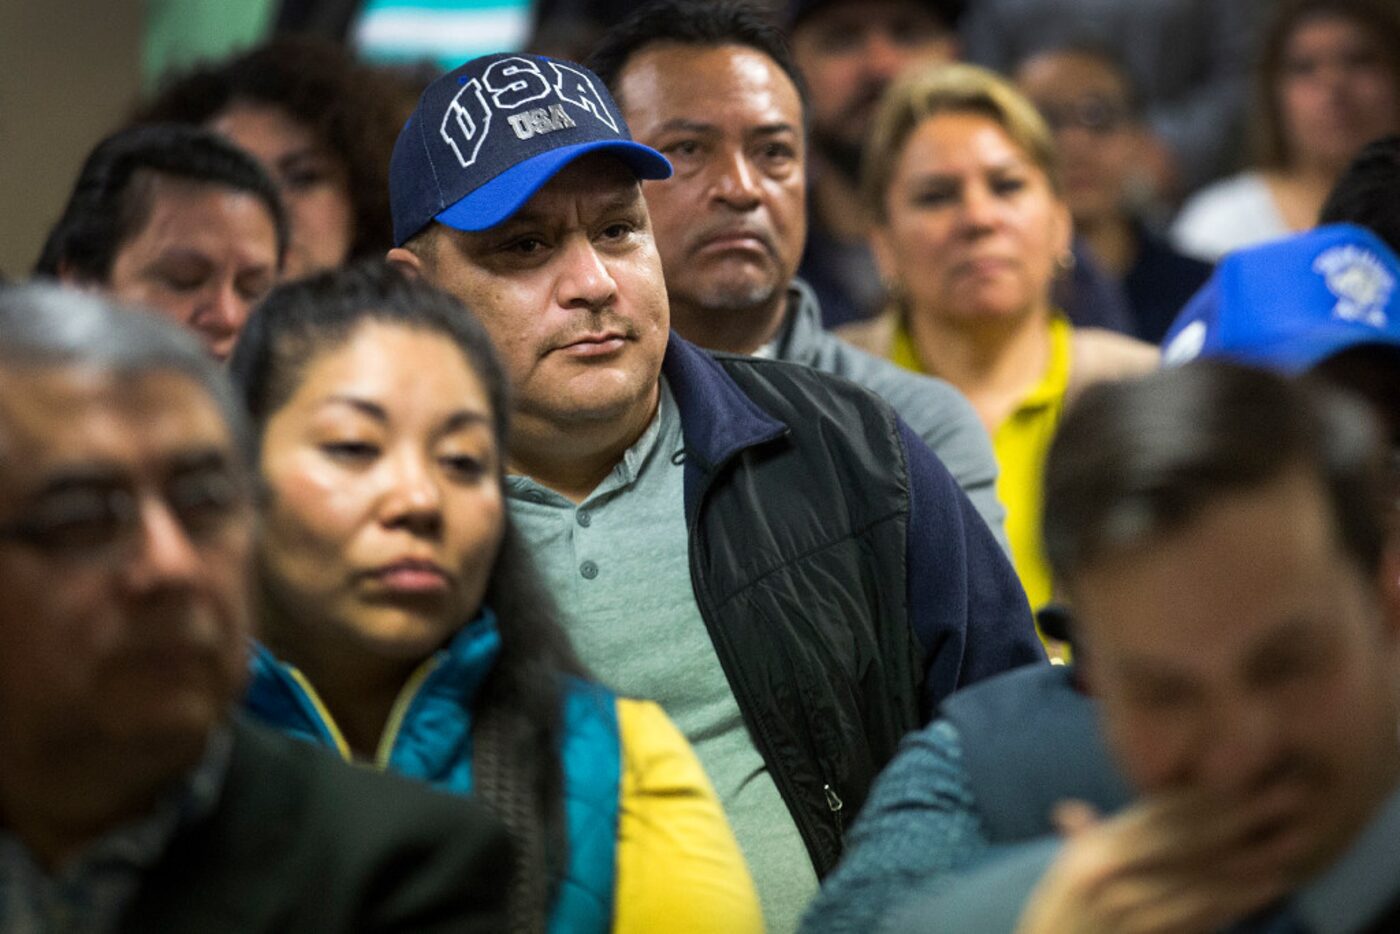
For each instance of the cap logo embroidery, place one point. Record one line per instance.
(1359, 280)
(1187, 345)
(505, 87)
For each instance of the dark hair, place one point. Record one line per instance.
(693, 22)
(1368, 193)
(1104, 54)
(318, 84)
(112, 199)
(1136, 460)
(1379, 19)
(517, 714)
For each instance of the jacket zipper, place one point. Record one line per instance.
(821, 862)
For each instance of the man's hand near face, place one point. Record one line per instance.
(1180, 861)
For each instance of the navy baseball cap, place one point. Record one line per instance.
(1292, 303)
(488, 135)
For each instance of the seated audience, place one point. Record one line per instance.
(174, 219)
(1004, 752)
(971, 228)
(1088, 99)
(130, 800)
(710, 85)
(322, 126)
(379, 414)
(1327, 83)
(1226, 539)
(766, 550)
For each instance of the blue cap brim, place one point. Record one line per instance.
(505, 194)
(1299, 353)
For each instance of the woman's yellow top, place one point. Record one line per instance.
(1021, 442)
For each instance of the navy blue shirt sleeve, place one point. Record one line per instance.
(966, 605)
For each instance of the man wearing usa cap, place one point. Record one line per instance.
(766, 550)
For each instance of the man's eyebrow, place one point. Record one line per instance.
(198, 459)
(686, 125)
(64, 478)
(773, 129)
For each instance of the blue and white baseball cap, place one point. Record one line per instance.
(1292, 303)
(488, 135)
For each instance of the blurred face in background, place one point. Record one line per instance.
(205, 256)
(850, 51)
(972, 228)
(1336, 91)
(1085, 100)
(311, 180)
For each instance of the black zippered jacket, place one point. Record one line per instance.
(846, 581)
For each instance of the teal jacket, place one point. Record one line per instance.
(429, 737)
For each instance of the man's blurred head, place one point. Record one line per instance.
(125, 534)
(1221, 533)
(177, 220)
(712, 87)
(850, 50)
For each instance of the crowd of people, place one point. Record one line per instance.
(764, 468)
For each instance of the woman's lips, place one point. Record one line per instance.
(411, 577)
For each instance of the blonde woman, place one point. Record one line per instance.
(970, 229)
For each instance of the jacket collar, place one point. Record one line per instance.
(800, 337)
(718, 419)
(458, 670)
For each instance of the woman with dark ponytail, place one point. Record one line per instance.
(388, 631)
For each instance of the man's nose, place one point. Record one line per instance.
(737, 182)
(164, 555)
(1241, 744)
(584, 278)
(883, 55)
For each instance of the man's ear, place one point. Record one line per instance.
(407, 262)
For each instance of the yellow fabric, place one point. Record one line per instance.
(679, 868)
(1021, 443)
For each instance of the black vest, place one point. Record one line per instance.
(797, 551)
